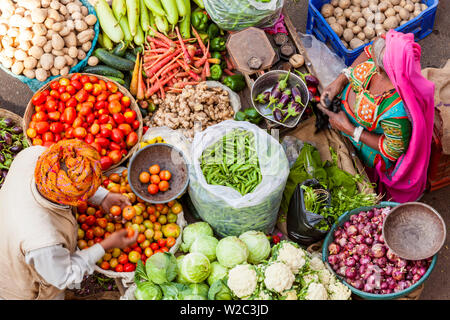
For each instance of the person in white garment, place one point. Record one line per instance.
(38, 230)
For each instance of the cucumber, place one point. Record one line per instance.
(127, 80)
(104, 71)
(120, 49)
(118, 80)
(130, 56)
(114, 61)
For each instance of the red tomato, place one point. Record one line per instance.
(129, 267)
(31, 133)
(114, 146)
(114, 107)
(132, 139)
(130, 116)
(119, 268)
(81, 95)
(135, 124)
(103, 142)
(117, 135)
(76, 84)
(162, 242)
(64, 97)
(123, 258)
(104, 265)
(69, 115)
(164, 249)
(86, 108)
(40, 116)
(171, 242)
(119, 118)
(54, 116)
(163, 186)
(37, 142)
(84, 79)
(93, 79)
(64, 81)
(51, 106)
(62, 89)
(54, 85)
(112, 87)
(89, 233)
(104, 118)
(79, 132)
(78, 122)
(90, 118)
(126, 101)
(55, 94)
(75, 76)
(95, 128)
(89, 138)
(144, 129)
(71, 89)
(42, 127)
(165, 175)
(88, 86)
(90, 220)
(71, 103)
(115, 156)
(57, 137)
(125, 128)
(102, 97)
(38, 98)
(115, 96)
(154, 246)
(105, 162)
(96, 146)
(48, 137)
(152, 188)
(68, 134)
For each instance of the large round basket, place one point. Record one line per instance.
(8, 114)
(134, 106)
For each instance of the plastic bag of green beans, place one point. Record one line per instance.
(229, 209)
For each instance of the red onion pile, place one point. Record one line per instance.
(359, 254)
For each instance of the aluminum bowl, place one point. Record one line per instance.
(266, 82)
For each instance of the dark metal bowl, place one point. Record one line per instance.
(414, 231)
(266, 82)
(168, 158)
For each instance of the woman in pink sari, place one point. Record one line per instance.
(387, 113)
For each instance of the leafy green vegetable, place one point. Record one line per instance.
(258, 246)
(219, 291)
(195, 267)
(196, 289)
(206, 245)
(147, 291)
(218, 272)
(231, 251)
(161, 267)
(192, 231)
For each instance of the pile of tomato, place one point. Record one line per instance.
(155, 224)
(89, 109)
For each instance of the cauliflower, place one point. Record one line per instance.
(316, 263)
(313, 277)
(242, 280)
(293, 257)
(316, 291)
(325, 277)
(263, 295)
(339, 291)
(278, 277)
(290, 295)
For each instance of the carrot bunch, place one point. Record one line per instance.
(170, 65)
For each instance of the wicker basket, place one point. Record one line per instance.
(8, 114)
(134, 106)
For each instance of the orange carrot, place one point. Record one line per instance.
(140, 90)
(135, 77)
(163, 38)
(199, 39)
(207, 70)
(202, 60)
(186, 55)
(180, 85)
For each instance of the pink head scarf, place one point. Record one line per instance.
(407, 180)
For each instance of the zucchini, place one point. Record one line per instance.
(114, 61)
(104, 71)
(130, 56)
(118, 80)
(127, 80)
(120, 49)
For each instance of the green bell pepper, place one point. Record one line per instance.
(213, 31)
(218, 44)
(240, 116)
(199, 20)
(217, 55)
(235, 83)
(216, 72)
(204, 37)
(253, 115)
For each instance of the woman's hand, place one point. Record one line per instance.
(118, 239)
(338, 121)
(333, 89)
(112, 199)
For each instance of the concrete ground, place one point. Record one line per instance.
(15, 95)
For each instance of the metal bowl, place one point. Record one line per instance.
(168, 158)
(266, 82)
(414, 231)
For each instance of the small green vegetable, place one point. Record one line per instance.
(240, 116)
(170, 6)
(199, 20)
(218, 44)
(213, 31)
(235, 82)
(108, 22)
(217, 55)
(133, 15)
(200, 3)
(216, 72)
(185, 24)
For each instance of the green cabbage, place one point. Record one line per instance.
(206, 245)
(161, 267)
(148, 291)
(196, 289)
(180, 278)
(231, 251)
(192, 231)
(218, 272)
(195, 267)
(258, 246)
(219, 291)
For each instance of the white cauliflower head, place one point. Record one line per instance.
(325, 277)
(316, 291)
(316, 263)
(312, 277)
(242, 280)
(278, 277)
(338, 290)
(263, 295)
(293, 257)
(290, 295)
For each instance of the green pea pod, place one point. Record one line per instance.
(200, 3)
(133, 15)
(139, 37)
(181, 7)
(123, 22)
(170, 7)
(145, 18)
(162, 24)
(119, 8)
(155, 7)
(185, 24)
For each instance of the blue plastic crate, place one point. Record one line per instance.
(421, 26)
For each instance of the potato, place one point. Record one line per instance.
(39, 29)
(93, 61)
(60, 62)
(53, 14)
(331, 20)
(395, 2)
(361, 36)
(379, 29)
(70, 24)
(347, 13)
(334, 3)
(48, 47)
(92, 19)
(45, 3)
(72, 7)
(402, 3)
(55, 5)
(30, 74)
(416, 13)
(389, 12)
(337, 28)
(361, 22)
(84, 11)
(49, 22)
(86, 46)
(390, 23)
(364, 3)
(423, 6)
(80, 25)
(13, 32)
(327, 10)
(383, 6)
(369, 32)
(54, 71)
(70, 40)
(77, 16)
(36, 52)
(355, 43)
(57, 27)
(379, 17)
(9, 52)
(342, 21)
(41, 74)
(356, 29)
(57, 53)
(69, 59)
(373, 8)
(86, 35)
(15, 20)
(26, 22)
(3, 29)
(355, 16)
(356, 3)
(348, 34)
(350, 24)
(64, 32)
(25, 45)
(20, 55)
(338, 12)
(81, 54)
(344, 4)
(73, 52)
(38, 15)
(25, 35)
(63, 10)
(64, 71)
(46, 61)
(50, 34)
(17, 67)
(30, 62)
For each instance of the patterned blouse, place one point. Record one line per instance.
(382, 114)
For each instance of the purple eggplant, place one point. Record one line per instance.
(276, 92)
(297, 95)
(16, 148)
(284, 100)
(16, 130)
(6, 123)
(277, 115)
(2, 158)
(298, 107)
(6, 136)
(263, 97)
(311, 81)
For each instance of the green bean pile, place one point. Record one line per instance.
(233, 162)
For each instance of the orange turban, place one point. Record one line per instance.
(69, 172)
